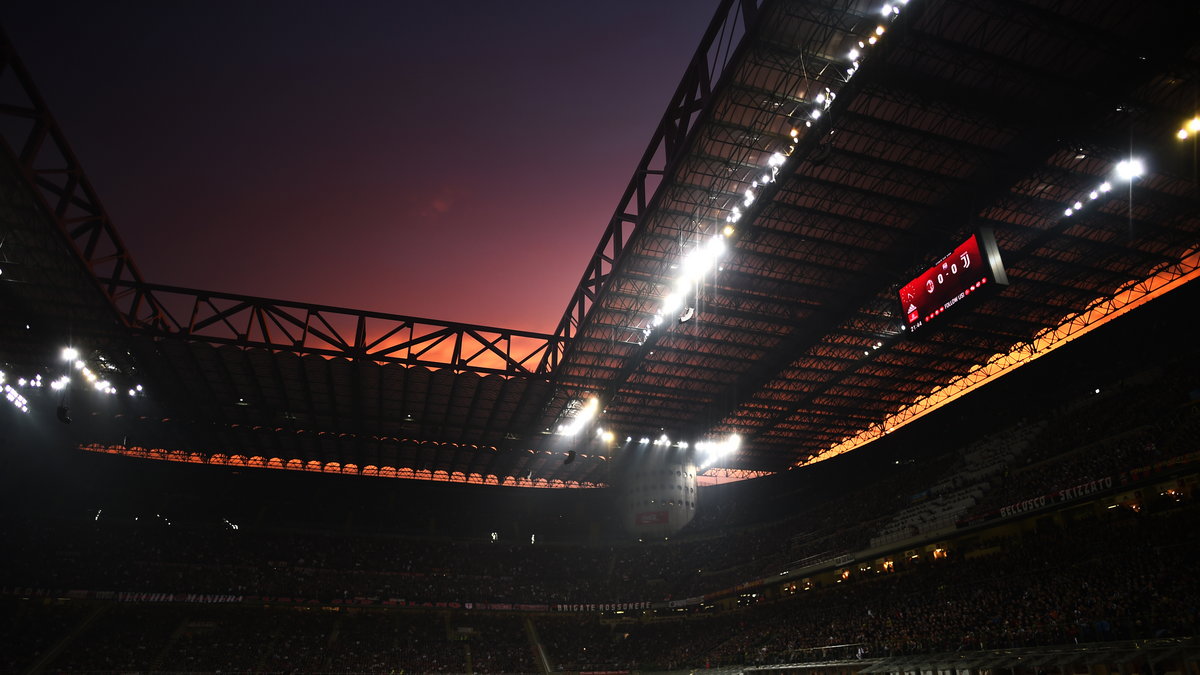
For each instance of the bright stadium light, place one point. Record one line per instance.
(581, 418)
(1128, 169)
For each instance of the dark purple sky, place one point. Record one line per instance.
(455, 161)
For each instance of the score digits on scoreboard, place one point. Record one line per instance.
(967, 269)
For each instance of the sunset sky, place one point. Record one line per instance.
(455, 161)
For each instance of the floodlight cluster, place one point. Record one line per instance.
(703, 259)
(1126, 170)
(585, 414)
(705, 256)
(889, 12)
(34, 382)
(1189, 129)
(711, 451)
(14, 397)
(75, 364)
(71, 356)
(877, 345)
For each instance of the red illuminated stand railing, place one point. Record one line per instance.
(316, 466)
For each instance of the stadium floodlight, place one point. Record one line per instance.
(69, 354)
(671, 303)
(581, 418)
(1128, 169)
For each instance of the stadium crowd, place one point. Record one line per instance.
(1123, 574)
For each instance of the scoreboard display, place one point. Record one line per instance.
(968, 269)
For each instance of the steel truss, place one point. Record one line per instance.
(64, 193)
(32, 137)
(336, 332)
(667, 146)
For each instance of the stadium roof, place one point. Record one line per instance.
(815, 158)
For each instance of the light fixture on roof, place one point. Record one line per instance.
(69, 354)
(582, 416)
(1128, 169)
(672, 302)
(711, 451)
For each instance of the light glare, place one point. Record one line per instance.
(1128, 169)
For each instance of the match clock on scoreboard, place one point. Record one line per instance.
(970, 268)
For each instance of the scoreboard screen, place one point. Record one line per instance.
(969, 268)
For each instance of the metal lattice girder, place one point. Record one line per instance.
(56, 178)
(32, 137)
(337, 332)
(666, 147)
